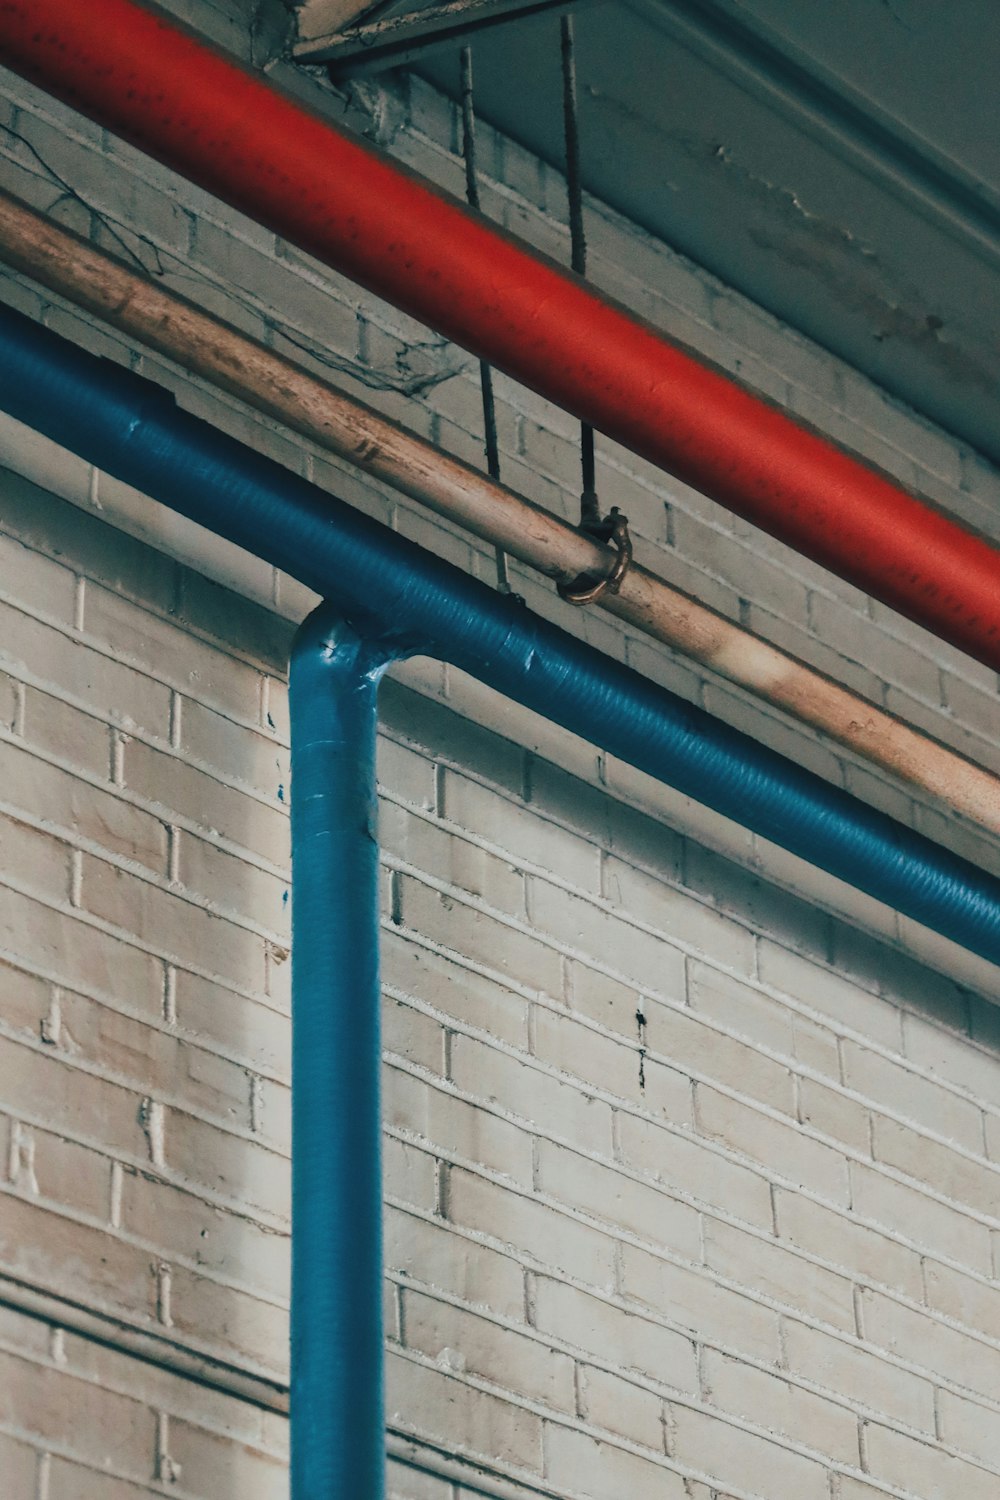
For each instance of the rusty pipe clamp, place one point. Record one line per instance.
(586, 589)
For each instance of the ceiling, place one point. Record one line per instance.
(836, 160)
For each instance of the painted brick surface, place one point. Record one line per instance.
(691, 1167)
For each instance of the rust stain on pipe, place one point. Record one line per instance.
(219, 353)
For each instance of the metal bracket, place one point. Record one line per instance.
(586, 589)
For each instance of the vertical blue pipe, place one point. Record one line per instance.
(338, 1419)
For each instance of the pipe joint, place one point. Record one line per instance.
(334, 653)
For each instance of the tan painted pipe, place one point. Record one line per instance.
(247, 369)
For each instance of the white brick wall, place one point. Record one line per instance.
(692, 1155)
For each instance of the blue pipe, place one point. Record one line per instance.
(338, 1428)
(393, 599)
(392, 590)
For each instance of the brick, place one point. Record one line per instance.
(109, 1431)
(272, 283)
(455, 861)
(74, 1260)
(897, 1459)
(605, 1063)
(439, 1406)
(133, 699)
(568, 799)
(530, 1094)
(170, 784)
(782, 1408)
(446, 735)
(172, 926)
(591, 932)
(410, 1034)
(957, 1177)
(257, 760)
(696, 1301)
(18, 1464)
(969, 1426)
(227, 617)
(919, 1338)
(71, 1481)
(532, 1229)
(506, 950)
(730, 1455)
(272, 1114)
(677, 917)
(916, 1098)
(622, 1203)
(178, 1223)
(243, 1329)
(61, 1171)
(27, 574)
(747, 1030)
(607, 1001)
(409, 774)
(41, 862)
(432, 1254)
(38, 459)
(872, 1383)
(834, 1114)
(10, 695)
(239, 1169)
(963, 1298)
(700, 1049)
(210, 1013)
(171, 1392)
(454, 1127)
(731, 561)
(954, 1059)
(82, 809)
(605, 1329)
(851, 1247)
(525, 836)
(73, 1101)
(782, 1149)
(642, 840)
(209, 1464)
(971, 706)
(25, 999)
(906, 978)
(234, 885)
(934, 721)
(854, 636)
(844, 1004)
(760, 1018)
(578, 1464)
(406, 1483)
(902, 978)
(409, 1175)
(60, 730)
(677, 1161)
(617, 1405)
(778, 1275)
(497, 1355)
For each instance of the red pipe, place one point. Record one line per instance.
(235, 134)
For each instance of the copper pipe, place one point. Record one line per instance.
(240, 365)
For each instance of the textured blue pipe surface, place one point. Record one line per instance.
(391, 589)
(338, 1427)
